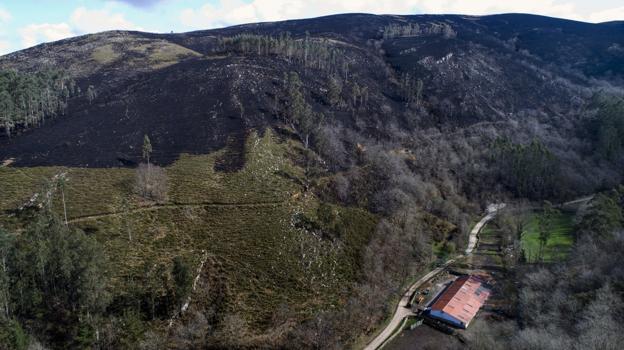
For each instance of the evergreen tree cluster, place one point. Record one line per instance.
(604, 216)
(53, 289)
(359, 95)
(396, 30)
(411, 89)
(300, 114)
(162, 290)
(607, 127)
(309, 52)
(26, 99)
(52, 279)
(530, 171)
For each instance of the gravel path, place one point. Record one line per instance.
(402, 310)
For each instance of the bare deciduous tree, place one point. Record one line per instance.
(151, 182)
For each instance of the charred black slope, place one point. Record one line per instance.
(192, 93)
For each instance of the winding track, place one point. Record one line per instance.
(174, 206)
(402, 310)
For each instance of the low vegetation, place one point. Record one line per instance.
(105, 54)
(267, 246)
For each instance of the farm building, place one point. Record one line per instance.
(459, 303)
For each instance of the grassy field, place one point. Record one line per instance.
(559, 242)
(192, 179)
(245, 222)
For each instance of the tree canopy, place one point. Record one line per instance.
(26, 99)
(528, 170)
(53, 279)
(607, 126)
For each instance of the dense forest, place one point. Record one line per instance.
(53, 284)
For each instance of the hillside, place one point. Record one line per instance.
(309, 168)
(180, 87)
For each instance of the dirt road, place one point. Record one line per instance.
(402, 310)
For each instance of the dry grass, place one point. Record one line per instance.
(88, 192)
(152, 53)
(105, 54)
(160, 54)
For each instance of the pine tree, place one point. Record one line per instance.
(91, 93)
(419, 90)
(334, 91)
(182, 278)
(6, 246)
(26, 99)
(61, 182)
(302, 118)
(147, 148)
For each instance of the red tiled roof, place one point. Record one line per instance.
(463, 298)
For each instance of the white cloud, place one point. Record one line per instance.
(542, 7)
(81, 21)
(5, 16)
(34, 34)
(616, 14)
(84, 21)
(141, 3)
(227, 12)
(221, 14)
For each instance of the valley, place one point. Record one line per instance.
(494, 260)
(296, 184)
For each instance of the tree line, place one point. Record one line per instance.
(52, 283)
(606, 126)
(411, 89)
(26, 99)
(396, 30)
(308, 51)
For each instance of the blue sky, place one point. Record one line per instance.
(24, 23)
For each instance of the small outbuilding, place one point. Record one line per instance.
(459, 303)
